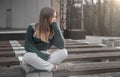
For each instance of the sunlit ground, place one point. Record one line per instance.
(117, 2)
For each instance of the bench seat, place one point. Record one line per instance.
(14, 71)
(90, 68)
(78, 69)
(92, 50)
(9, 61)
(77, 53)
(7, 54)
(93, 56)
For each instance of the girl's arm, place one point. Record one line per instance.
(30, 46)
(58, 39)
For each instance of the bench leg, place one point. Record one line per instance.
(40, 74)
(46, 74)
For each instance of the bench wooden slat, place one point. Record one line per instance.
(6, 49)
(67, 46)
(92, 50)
(80, 46)
(83, 46)
(93, 56)
(4, 42)
(79, 69)
(76, 43)
(7, 61)
(67, 42)
(5, 45)
(77, 52)
(7, 54)
(14, 71)
(90, 68)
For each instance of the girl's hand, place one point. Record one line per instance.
(49, 57)
(53, 18)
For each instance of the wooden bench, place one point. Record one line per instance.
(7, 47)
(9, 61)
(67, 42)
(76, 50)
(111, 42)
(7, 56)
(13, 71)
(79, 69)
(89, 68)
(80, 56)
(83, 54)
(75, 54)
(92, 50)
(93, 56)
(4, 42)
(117, 43)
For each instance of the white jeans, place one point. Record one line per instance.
(38, 63)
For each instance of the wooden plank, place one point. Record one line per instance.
(83, 46)
(90, 68)
(111, 39)
(14, 71)
(5, 45)
(11, 48)
(92, 50)
(93, 56)
(68, 42)
(77, 43)
(67, 46)
(6, 49)
(7, 54)
(7, 61)
(76, 50)
(4, 42)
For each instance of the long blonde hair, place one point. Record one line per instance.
(43, 30)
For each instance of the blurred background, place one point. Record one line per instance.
(76, 17)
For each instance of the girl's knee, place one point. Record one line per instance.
(64, 52)
(27, 57)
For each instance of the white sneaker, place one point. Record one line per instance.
(63, 66)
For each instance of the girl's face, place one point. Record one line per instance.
(53, 18)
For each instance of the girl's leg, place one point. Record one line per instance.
(58, 56)
(35, 61)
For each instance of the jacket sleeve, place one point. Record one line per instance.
(30, 46)
(58, 39)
